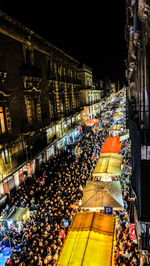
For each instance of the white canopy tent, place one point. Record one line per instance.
(99, 194)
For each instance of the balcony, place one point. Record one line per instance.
(55, 77)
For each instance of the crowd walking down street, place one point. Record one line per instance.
(53, 197)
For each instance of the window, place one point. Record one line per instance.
(2, 121)
(48, 67)
(28, 57)
(51, 109)
(33, 108)
(5, 156)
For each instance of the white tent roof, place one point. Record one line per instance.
(99, 194)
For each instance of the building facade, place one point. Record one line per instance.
(91, 93)
(39, 94)
(137, 33)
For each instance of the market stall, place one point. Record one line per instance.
(91, 122)
(120, 109)
(97, 128)
(16, 217)
(99, 194)
(90, 240)
(115, 130)
(124, 137)
(111, 145)
(118, 115)
(108, 166)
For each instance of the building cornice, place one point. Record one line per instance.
(15, 30)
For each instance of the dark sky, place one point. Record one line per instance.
(92, 34)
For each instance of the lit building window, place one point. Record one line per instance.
(2, 121)
(33, 108)
(5, 156)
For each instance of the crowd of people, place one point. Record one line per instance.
(50, 197)
(53, 196)
(126, 250)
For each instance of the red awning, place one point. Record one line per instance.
(111, 145)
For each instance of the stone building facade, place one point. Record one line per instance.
(138, 66)
(39, 93)
(91, 93)
(137, 32)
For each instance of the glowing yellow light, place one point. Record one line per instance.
(89, 241)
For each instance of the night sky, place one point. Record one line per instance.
(92, 34)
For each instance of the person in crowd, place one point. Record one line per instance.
(51, 196)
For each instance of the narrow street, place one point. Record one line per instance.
(56, 195)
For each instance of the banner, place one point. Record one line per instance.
(132, 234)
(6, 188)
(21, 175)
(124, 137)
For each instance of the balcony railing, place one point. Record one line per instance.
(72, 111)
(52, 76)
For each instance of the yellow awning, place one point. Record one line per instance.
(119, 109)
(116, 127)
(118, 115)
(108, 164)
(89, 241)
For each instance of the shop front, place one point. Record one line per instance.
(73, 136)
(50, 152)
(59, 129)
(15, 218)
(50, 132)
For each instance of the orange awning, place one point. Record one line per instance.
(111, 145)
(89, 241)
(91, 121)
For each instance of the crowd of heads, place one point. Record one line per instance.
(50, 196)
(126, 250)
